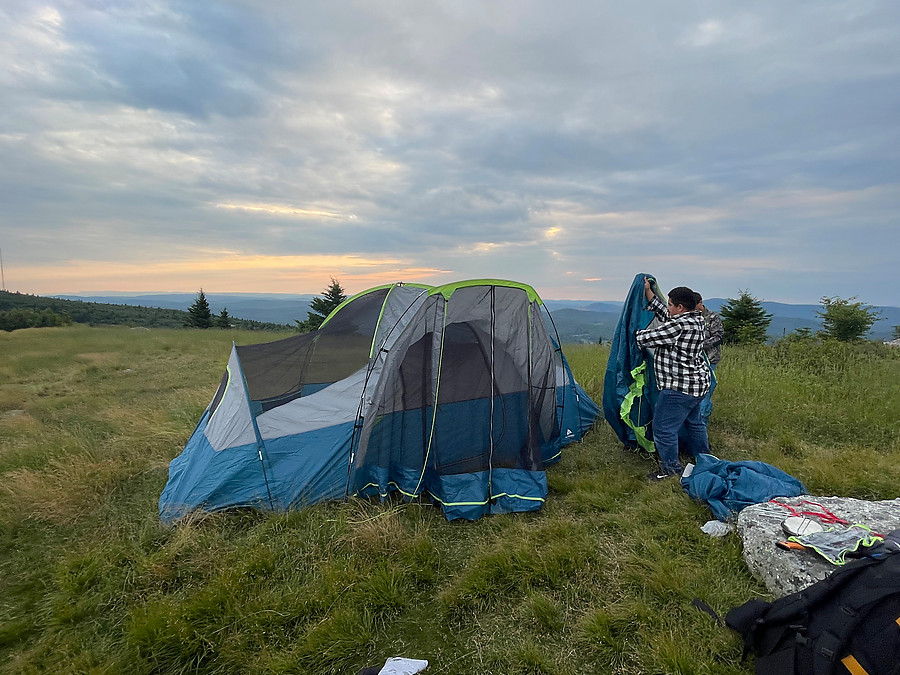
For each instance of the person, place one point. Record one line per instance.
(712, 345)
(682, 376)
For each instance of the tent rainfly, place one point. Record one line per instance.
(457, 393)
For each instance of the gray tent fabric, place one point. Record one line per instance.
(455, 393)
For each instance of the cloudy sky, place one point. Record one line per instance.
(263, 146)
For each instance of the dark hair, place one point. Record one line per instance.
(698, 298)
(682, 295)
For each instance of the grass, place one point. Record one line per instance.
(599, 581)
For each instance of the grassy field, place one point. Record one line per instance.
(599, 581)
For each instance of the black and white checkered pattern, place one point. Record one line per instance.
(678, 358)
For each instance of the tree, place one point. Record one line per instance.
(321, 307)
(199, 315)
(845, 320)
(744, 319)
(896, 333)
(223, 320)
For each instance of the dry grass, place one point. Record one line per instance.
(62, 491)
(373, 529)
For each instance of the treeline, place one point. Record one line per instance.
(21, 310)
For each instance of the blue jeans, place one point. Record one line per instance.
(674, 410)
(706, 403)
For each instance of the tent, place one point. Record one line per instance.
(629, 385)
(457, 393)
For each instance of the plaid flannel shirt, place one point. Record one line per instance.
(715, 332)
(677, 342)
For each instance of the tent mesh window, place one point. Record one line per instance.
(281, 371)
(494, 380)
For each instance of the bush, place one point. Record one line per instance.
(846, 320)
(14, 319)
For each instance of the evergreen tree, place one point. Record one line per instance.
(223, 320)
(199, 315)
(321, 307)
(896, 333)
(744, 319)
(845, 320)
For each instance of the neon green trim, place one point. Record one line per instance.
(840, 557)
(635, 392)
(440, 501)
(366, 292)
(378, 323)
(385, 494)
(449, 289)
(437, 392)
(502, 494)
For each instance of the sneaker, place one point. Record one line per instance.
(659, 475)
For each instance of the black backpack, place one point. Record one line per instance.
(847, 623)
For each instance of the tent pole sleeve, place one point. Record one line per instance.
(561, 405)
(260, 445)
(493, 394)
(434, 407)
(358, 424)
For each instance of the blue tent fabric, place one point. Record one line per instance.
(625, 359)
(579, 411)
(212, 480)
(457, 392)
(727, 487)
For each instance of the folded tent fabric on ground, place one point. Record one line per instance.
(458, 392)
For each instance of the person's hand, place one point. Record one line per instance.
(648, 291)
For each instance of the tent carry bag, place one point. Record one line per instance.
(846, 623)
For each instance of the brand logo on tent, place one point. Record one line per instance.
(569, 433)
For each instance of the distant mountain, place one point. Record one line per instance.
(585, 321)
(281, 308)
(576, 320)
(788, 318)
(585, 326)
(83, 310)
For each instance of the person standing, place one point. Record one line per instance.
(712, 345)
(682, 376)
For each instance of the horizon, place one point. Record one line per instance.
(113, 294)
(569, 145)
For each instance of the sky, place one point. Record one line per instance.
(268, 147)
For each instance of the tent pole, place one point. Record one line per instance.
(562, 362)
(259, 440)
(493, 388)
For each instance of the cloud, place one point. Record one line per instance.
(568, 145)
(221, 269)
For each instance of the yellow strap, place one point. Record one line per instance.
(853, 665)
(897, 620)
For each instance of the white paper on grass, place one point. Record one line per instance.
(399, 666)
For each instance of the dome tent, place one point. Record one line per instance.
(457, 392)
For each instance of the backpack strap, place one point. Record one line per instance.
(703, 607)
(880, 584)
(791, 613)
(745, 619)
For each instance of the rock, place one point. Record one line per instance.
(785, 572)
